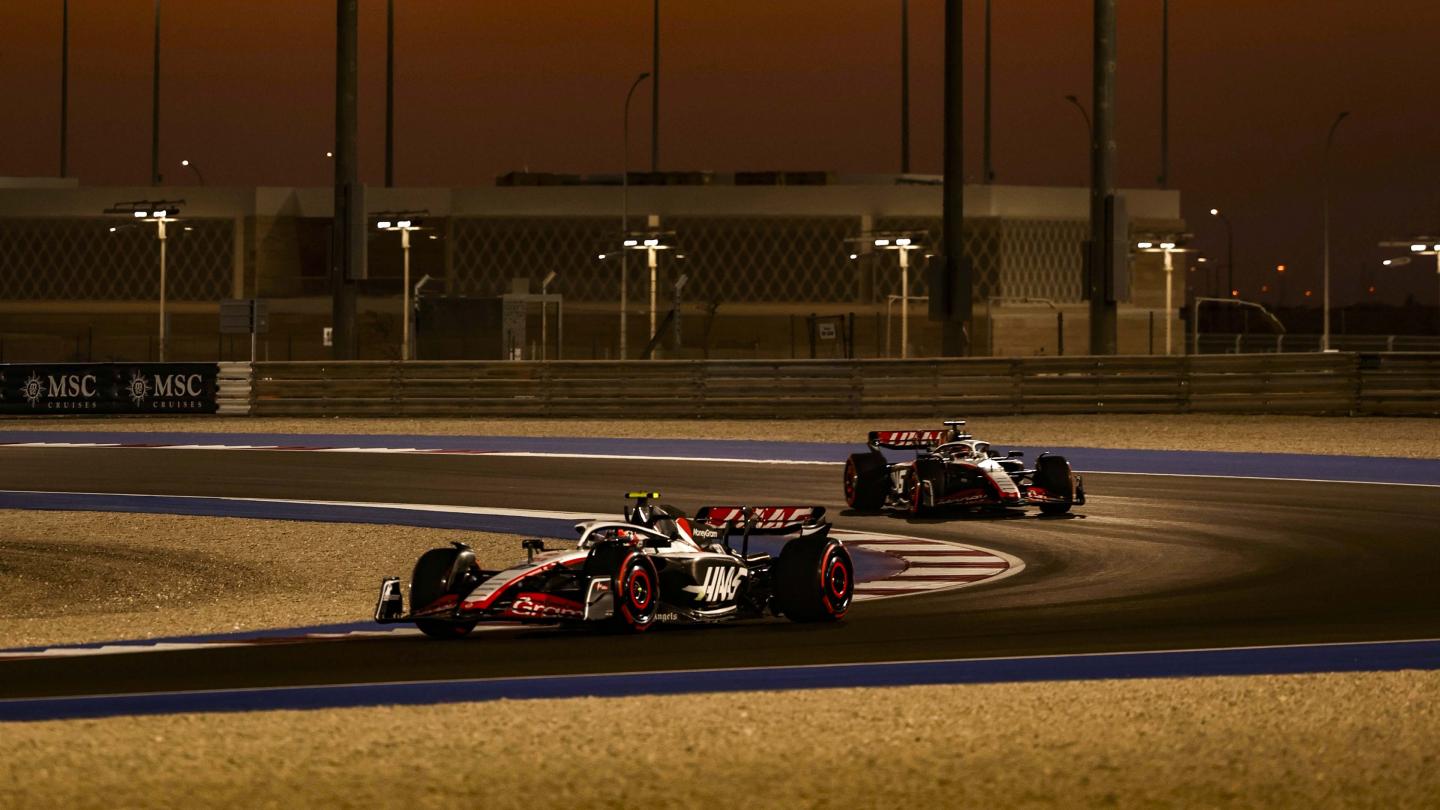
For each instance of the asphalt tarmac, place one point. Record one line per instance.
(1152, 562)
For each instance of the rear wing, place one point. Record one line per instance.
(761, 519)
(910, 439)
(718, 522)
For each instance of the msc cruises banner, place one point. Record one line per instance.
(80, 388)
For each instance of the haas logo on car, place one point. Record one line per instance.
(721, 583)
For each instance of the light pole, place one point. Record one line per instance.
(902, 243)
(404, 222)
(196, 169)
(1325, 175)
(1167, 244)
(625, 205)
(651, 242)
(158, 212)
(1229, 252)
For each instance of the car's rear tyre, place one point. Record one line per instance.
(634, 583)
(432, 581)
(814, 580)
(865, 481)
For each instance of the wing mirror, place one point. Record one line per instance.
(1016, 454)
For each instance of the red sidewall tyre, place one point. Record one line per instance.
(814, 580)
(635, 593)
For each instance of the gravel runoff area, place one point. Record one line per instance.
(1368, 740)
(74, 577)
(1359, 436)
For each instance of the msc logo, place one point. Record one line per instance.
(164, 386)
(59, 386)
(721, 583)
(177, 385)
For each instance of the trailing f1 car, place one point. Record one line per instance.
(954, 469)
(654, 566)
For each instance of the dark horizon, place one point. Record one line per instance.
(481, 91)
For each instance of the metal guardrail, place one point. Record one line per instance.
(1243, 343)
(1332, 383)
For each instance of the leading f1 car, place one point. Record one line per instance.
(656, 565)
(951, 468)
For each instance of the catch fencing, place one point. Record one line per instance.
(1332, 383)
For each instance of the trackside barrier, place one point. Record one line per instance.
(1331, 383)
(233, 385)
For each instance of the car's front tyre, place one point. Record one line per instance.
(634, 583)
(436, 577)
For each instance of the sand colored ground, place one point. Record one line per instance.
(1296, 741)
(94, 576)
(1400, 437)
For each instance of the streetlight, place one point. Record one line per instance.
(1325, 176)
(158, 212)
(404, 222)
(1229, 251)
(1167, 244)
(196, 169)
(903, 243)
(651, 242)
(625, 202)
(1419, 246)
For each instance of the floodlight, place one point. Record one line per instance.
(882, 243)
(383, 224)
(903, 241)
(1144, 245)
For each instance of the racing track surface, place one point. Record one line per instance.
(1153, 562)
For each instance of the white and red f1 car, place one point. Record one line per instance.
(654, 566)
(951, 468)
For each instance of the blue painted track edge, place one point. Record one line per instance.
(1299, 466)
(1384, 656)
